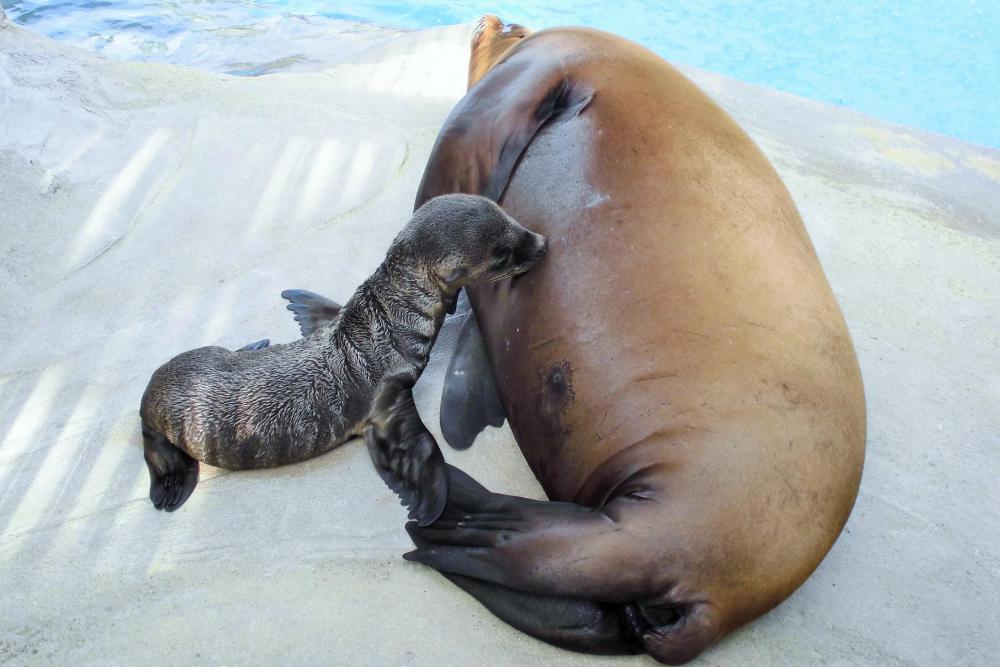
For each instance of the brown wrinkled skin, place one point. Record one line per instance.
(680, 339)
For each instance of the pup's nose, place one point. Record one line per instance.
(543, 246)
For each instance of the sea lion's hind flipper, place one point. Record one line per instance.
(556, 549)
(570, 623)
(256, 345)
(470, 401)
(172, 473)
(312, 311)
(483, 138)
(406, 455)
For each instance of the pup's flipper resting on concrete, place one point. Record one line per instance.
(406, 455)
(172, 473)
(312, 311)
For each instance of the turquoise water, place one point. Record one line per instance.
(935, 65)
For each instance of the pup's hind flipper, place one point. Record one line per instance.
(256, 345)
(172, 473)
(312, 311)
(470, 401)
(406, 455)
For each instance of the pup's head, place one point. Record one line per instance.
(490, 40)
(461, 239)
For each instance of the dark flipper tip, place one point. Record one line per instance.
(408, 458)
(312, 311)
(173, 474)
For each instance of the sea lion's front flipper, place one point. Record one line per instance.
(570, 623)
(406, 455)
(491, 126)
(256, 345)
(470, 401)
(312, 311)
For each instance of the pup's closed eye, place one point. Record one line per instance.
(500, 257)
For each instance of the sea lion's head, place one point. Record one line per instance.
(490, 40)
(460, 239)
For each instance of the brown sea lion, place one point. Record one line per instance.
(677, 373)
(350, 374)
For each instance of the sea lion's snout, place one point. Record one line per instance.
(515, 30)
(490, 39)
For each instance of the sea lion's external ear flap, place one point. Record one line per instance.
(470, 401)
(312, 311)
(406, 455)
(491, 126)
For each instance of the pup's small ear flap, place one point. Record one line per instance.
(456, 275)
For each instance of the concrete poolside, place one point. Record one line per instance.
(148, 209)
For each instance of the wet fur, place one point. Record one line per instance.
(280, 404)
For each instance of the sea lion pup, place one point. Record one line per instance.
(677, 373)
(269, 405)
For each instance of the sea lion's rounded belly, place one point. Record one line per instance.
(681, 329)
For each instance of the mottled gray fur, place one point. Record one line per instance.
(280, 404)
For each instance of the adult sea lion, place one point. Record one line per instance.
(351, 374)
(677, 373)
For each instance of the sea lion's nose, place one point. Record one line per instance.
(516, 29)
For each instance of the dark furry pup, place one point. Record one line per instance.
(351, 374)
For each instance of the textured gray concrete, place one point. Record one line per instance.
(148, 209)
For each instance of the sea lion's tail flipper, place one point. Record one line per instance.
(172, 473)
(550, 548)
(312, 311)
(491, 126)
(570, 623)
(406, 455)
(256, 345)
(567, 574)
(470, 401)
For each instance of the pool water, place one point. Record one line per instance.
(932, 64)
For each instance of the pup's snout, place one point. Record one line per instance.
(541, 246)
(533, 248)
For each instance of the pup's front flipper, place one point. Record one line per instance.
(406, 455)
(256, 345)
(172, 473)
(312, 311)
(470, 401)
